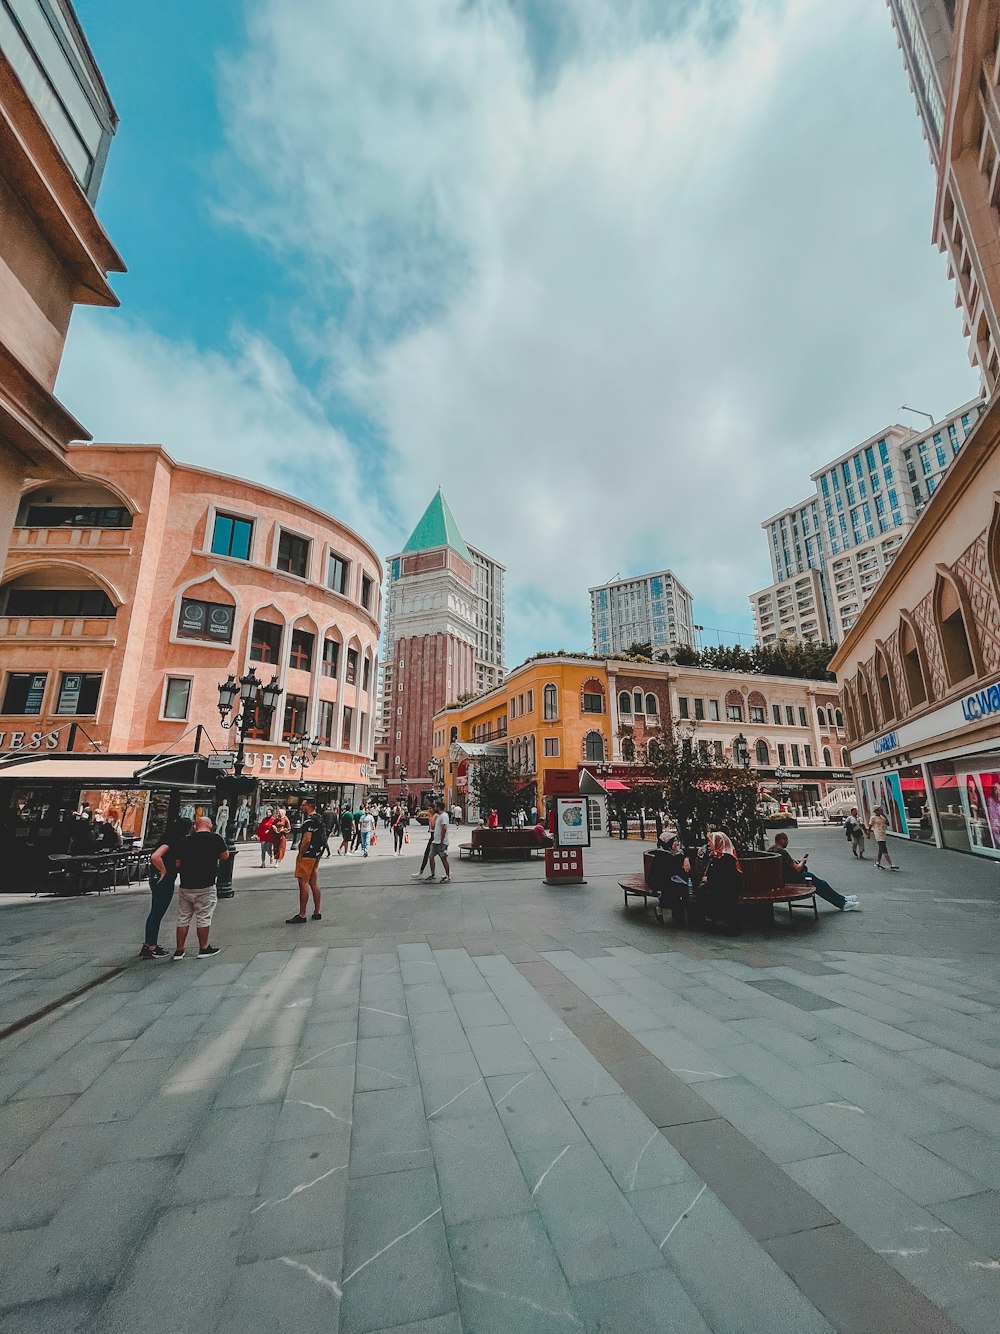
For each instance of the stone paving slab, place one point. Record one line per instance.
(413, 1119)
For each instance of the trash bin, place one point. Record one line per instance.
(224, 877)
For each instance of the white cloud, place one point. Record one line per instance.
(244, 413)
(618, 281)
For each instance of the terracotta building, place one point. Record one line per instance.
(131, 591)
(56, 126)
(606, 716)
(920, 670)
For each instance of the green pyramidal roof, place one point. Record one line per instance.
(437, 528)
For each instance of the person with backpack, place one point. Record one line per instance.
(346, 831)
(312, 845)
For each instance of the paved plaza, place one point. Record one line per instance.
(498, 1106)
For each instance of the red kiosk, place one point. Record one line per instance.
(564, 861)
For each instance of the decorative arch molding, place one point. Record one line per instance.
(993, 546)
(762, 753)
(909, 631)
(593, 741)
(867, 718)
(949, 590)
(734, 697)
(41, 565)
(755, 700)
(128, 501)
(208, 577)
(888, 694)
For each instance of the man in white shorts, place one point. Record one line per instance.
(439, 843)
(198, 860)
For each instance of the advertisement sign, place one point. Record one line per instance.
(206, 620)
(980, 796)
(884, 793)
(572, 825)
(69, 693)
(36, 689)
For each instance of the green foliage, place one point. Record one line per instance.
(792, 657)
(703, 794)
(496, 785)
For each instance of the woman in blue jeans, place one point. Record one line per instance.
(162, 874)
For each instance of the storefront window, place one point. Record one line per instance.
(967, 797)
(914, 795)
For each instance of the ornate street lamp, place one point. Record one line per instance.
(780, 774)
(254, 697)
(302, 752)
(741, 751)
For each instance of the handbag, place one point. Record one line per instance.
(374, 839)
(406, 836)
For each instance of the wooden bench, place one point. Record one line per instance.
(635, 886)
(803, 896)
(490, 843)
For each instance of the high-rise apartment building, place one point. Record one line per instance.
(649, 608)
(951, 49)
(444, 638)
(830, 551)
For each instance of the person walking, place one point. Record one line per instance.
(346, 831)
(198, 858)
(312, 843)
(356, 836)
(439, 842)
(329, 824)
(279, 835)
(264, 837)
(398, 825)
(856, 833)
(799, 873)
(162, 878)
(427, 851)
(366, 828)
(878, 827)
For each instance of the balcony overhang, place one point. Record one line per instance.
(32, 420)
(42, 179)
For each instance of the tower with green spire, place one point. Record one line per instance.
(430, 641)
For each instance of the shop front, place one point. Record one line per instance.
(72, 804)
(938, 778)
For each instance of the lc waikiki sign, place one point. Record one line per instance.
(981, 704)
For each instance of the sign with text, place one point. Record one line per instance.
(572, 825)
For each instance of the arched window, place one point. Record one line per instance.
(550, 703)
(593, 746)
(853, 730)
(762, 753)
(62, 591)
(652, 706)
(628, 750)
(821, 717)
(840, 720)
(953, 629)
(864, 699)
(592, 696)
(653, 751)
(827, 758)
(913, 667)
(637, 700)
(454, 735)
(624, 702)
(886, 696)
(734, 706)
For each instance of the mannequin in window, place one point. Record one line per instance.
(242, 818)
(222, 819)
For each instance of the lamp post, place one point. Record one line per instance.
(302, 752)
(741, 751)
(780, 774)
(251, 698)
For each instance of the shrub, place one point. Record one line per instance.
(782, 821)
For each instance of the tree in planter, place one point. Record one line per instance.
(703, 793)
(497, 785)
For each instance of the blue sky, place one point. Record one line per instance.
(617, 274)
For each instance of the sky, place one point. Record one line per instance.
(617, 274)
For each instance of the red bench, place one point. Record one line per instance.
(490, 843)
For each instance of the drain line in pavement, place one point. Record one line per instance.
(35, 1015)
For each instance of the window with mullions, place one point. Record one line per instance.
(231, 536)
(327, 719)
(346, 726)
(294, 724)
(366, 673)
(293, 554)
(206, 620)
(352, 666)
(336, 573)
(75, 516)
(58, 602)
(300, 655)
(177, 698)
(265, 642)
(366, 592)
(78, 693)
(331, 656)
(24, 693)
(734, 713)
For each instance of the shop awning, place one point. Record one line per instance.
(475, 750)
(108, 771)
(594, 787)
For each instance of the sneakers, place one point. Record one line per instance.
(147, 952)
(853, 904)
(208, 951)
(446, 880)
(431, 879)
(178, 955)
(297, 920)
(317, 917)
(417, 875)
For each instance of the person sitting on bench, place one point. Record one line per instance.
(798, 873)
(719, 893)
(542, 836)
(670, 877)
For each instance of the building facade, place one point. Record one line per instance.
(649, 608)
(830, 551)
(444, 638)
(951, 50)
(130, 592)
(56, 126)
(608, 716)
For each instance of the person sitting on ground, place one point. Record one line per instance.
(670, 877)
(718, 895)
(798, 873)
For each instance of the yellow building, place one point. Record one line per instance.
(550, 713)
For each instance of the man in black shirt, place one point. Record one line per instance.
(198, 860)
(311, 847)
